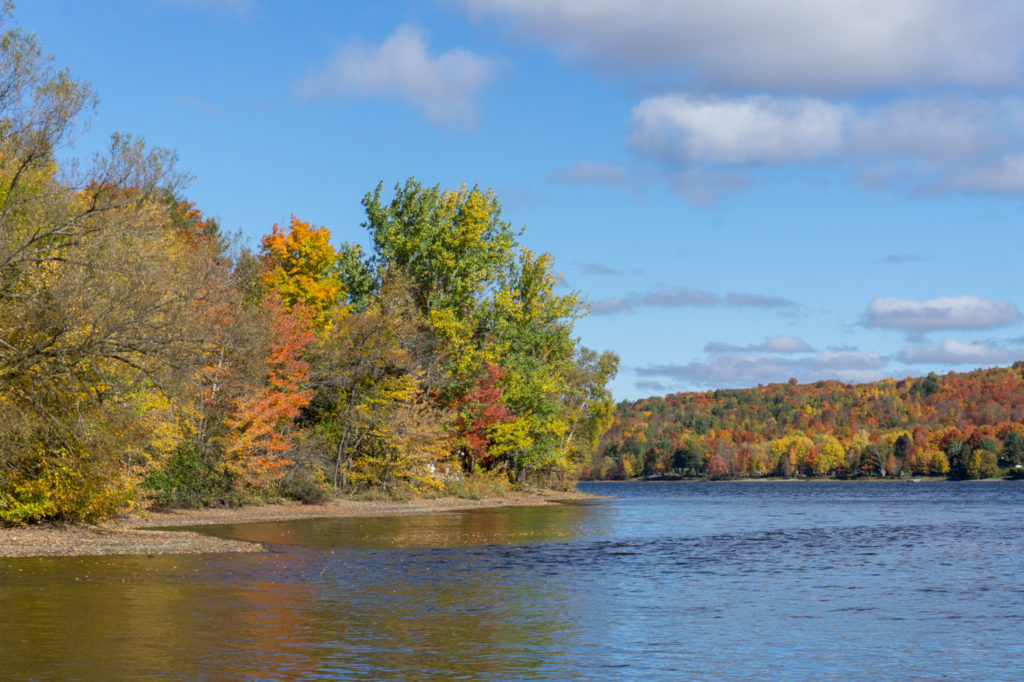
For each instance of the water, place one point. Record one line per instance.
(776, 580)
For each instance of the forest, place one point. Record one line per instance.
(147, 358)
(961, 426)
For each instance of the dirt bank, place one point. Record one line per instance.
(135, 535)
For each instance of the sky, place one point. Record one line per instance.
(745, 191)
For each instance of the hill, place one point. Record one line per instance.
(962, 425)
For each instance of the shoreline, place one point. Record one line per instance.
(808, 479)
(150, 533)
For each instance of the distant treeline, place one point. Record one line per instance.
(147, 358)
(961, 425)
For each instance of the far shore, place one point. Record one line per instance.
(142, 533)
(802, 479)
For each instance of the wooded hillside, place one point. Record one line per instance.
(964, 425)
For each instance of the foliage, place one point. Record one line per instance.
(103, 304)
(503, 355)
(961, 425)
(299, 265)
(261, 423)
(145, 359)
(479, 484)
(190, 478)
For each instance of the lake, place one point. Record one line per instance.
(754, 580)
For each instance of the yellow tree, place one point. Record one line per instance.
(300, 265)
(829, 455)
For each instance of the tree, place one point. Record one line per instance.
(490, 303)
(371, 411)
(1013, 450)
(263, 420)
(106, 300)
(481, 415)
(451, 243)
(300, 265)
(829, 456)
(959, 455)
(588, 403)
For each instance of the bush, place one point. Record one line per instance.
(305, 486)
(57, 488)
(192, 478)
(479, 485)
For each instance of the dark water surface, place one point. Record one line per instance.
(776, 580)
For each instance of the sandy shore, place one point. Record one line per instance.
(135, 535)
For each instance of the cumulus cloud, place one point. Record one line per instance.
(952, 352)
(793, 45)
(937, 129)
(443, 87)
(774, 344)
(934, 144)
(743, 370)
(682, 297)
(950, 312)
(590, 173)
(798, 82)
(749, 130)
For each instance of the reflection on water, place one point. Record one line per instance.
(668, 581)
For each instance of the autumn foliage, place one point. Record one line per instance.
(146, 358)
(967, 425)
(261, 424)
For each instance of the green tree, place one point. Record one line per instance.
(1013, 450)
(489, 302)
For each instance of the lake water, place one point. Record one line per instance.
(753, 580)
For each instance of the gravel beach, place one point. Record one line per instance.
(138, 534)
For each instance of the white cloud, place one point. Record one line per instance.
(744, 370)
(653, 386)
(681, 297)
(758, 301)
(1005, 175)
(444, 88)
(749, 130)
(950, 312)
(793, 45)
(846, 361)
(953, 352)
(785, 83)
(936, 129)
(612, 305)
(677, 297)
(934, 144)
(774, 344)
(590, 173)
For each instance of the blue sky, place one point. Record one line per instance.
(746, 191)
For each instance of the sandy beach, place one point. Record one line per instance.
(138, 534)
